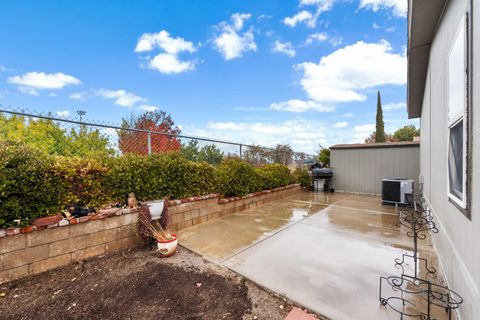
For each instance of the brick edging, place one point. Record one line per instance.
(110, 212)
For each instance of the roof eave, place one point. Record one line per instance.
(423, 18)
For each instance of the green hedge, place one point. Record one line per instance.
(273, 176)
(33, 184)
(237, 178)
(29, 186)
(301, 176)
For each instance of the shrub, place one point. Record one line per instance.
(34, 184)
(237, 178)
(182, 178)
(29, 187)
(302, 177)
(158, 176)
(83, 181)
(131, 173)
(274, 175)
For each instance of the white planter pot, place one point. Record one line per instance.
(169, 247)
(156, 208)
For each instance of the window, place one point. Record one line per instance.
(457, 117)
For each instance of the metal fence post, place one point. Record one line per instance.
(149, 142)
(240, 150)
(284, 158)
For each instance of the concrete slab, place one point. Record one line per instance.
(329, 262)
(221, 238)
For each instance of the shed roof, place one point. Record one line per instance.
(400, 144)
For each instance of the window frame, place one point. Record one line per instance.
(463, 114)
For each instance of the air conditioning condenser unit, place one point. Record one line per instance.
(397, 190)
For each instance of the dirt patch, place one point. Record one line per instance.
(136, 284)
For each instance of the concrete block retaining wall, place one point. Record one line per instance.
(32, 250)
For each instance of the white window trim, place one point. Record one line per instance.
(456, 118)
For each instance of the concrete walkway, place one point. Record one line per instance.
(323, 251)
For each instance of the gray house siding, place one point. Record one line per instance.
(361, 170)
(459, 238)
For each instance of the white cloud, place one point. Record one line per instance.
(362, 132)
(348, 115)
(78, 96)
(167, 61)
(375, 26)
(148, 108)
(285, 48)
(31, 82)
(335, 41)
(307, 17)
(399, 7)
(121, 97)
(163, 40)
(302, 135)
(264, 17)
(3, 68)
(296, 105)
(395, 106)
(63, 114)
(231, 43)
(340, 76)
(316, 37)
(302, 16)
(28, 90)
(238, 19)
(342, 124)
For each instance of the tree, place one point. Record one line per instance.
(256, 155)
(283, 154)
(209, 153)
(157, 122)
(324, 156)
(406, 133)
(388, 138)
(379, 127)
(50, 137)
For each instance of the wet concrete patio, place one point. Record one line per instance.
(323, 251)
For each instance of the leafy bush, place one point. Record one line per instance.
(302, 177)
(34, 184)
(274, 175)
(157, 176)
(83, 181)
(29, 187)
(237, 178)
(130, 173)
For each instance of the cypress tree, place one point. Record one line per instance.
(379, 128)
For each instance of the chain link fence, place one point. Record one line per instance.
(74, 137)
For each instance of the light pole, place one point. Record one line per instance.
(81, 113)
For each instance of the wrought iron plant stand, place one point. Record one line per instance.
(410, 294)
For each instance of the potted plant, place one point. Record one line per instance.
(154, 232)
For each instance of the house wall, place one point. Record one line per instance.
(361, 170)
(458, 239)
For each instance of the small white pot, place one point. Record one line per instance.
(156, 208)
(167, 248)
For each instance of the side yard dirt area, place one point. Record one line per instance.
(137, 284)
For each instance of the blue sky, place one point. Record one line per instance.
(302, 72)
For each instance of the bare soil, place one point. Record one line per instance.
(137, 284)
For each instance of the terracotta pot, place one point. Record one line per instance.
(45, 221)
(167, 248)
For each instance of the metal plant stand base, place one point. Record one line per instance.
(410, 294)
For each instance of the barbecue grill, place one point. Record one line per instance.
(322, 179)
